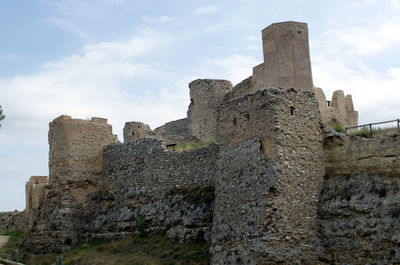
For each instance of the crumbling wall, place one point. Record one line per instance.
(36, 190)
(175, 133)
(146, 166)
(359, 209)
(205, 97)
(359, 216)
(286, 57)
(352, 155)
(339, 112)
(76, 153)
(134, 130)
(12, 220)
(267, 189)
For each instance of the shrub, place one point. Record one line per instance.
(338, 128)
(141, 225)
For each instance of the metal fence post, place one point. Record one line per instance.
(59, 260)
(370, 129)
(14, 255)
(398, 125)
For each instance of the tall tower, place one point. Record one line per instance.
(286, 58)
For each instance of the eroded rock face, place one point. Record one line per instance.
(351, 155)
(172, 192)
(359, 217)
(12, 220)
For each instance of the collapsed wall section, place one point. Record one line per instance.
(338, 111)
(270, 183)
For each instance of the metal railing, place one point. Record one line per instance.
(369, 125)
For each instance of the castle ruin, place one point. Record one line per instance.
(277, 186)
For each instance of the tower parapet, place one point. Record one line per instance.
(286, 57)
(76, 153)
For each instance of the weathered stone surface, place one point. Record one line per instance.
(76, 152)
(146, 166)
(351, 155)
(359, 217)
(12, 220)
(286, 57)
(341, 110)
(134, 130)
(175, 133)
(35, 193)
(268, 187)
(205, 97)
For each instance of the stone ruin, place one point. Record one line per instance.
(277, 186)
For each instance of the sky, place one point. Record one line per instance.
(132, 60)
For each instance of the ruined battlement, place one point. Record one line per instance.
(338, 111)
(278, 186)
(76, 152)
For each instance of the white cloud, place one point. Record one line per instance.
(205, 10)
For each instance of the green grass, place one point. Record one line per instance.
(376, 132)
(15, 239)
(189, 146)
(154, 248)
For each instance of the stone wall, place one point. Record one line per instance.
(359, 218)
(35, 193)
(286, 57)
(205, 97)
(339, 112)
(12, 220)
(134, 130)
(146, 166)
(267, 190)
(76, 153)
(175, 133)
(172, 192)
(351, 155)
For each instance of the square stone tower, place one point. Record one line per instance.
(286, 57)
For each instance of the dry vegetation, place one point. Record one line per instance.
(154, 248)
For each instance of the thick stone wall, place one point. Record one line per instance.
(146, 166)
(359, 217)
(205, 97)
(175, 133)
(286, 57)
(76, 153)
(171, 191)
(12, 220)
(281, 173)
(351, 155)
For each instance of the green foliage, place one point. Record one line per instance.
(155, 249)
(2, 116)
(338, 128)
(15, 239)
(141, 226)
(187, 146)
(363, 132)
